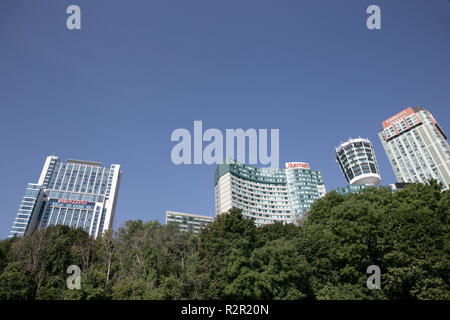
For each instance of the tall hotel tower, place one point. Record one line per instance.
(267, 195)
(416, 147)
(356, 158)
(79, 194)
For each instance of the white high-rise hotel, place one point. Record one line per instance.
(416, 147)
(79, 194)
(267, 195)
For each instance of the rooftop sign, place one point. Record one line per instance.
(399, 116)
(296, 165)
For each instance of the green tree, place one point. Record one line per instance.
(5, 252)
(340, 240)
(276, 271)
(224, 249)
(16, 283)
(416, 243)
(93, 286)
(406, 234)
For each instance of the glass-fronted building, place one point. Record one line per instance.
(31, 200)
(79, 194)
(355, 188)
(267, 195)
(188, 221)
(357, 161)
(416, 147)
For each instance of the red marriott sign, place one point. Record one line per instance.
(294, 165)
(67, 201)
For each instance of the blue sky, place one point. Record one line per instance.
(115, 90)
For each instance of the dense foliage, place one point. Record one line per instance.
(406, 234)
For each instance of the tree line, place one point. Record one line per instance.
(405, 233)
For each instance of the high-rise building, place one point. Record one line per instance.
(188, 221)
(416, 146)
(398, 186)
(356, 188)
(267, 195)
(356, 158)
(79, 194)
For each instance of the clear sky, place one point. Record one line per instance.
(114, 91)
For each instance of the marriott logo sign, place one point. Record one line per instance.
(67, 201)
(294, 165)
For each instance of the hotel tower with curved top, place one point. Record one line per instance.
(267, 195)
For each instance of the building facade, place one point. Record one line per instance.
(79, 194)
(358, 163)
(416, 147)
(355, 188)
(267, 195)
(188, 221)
